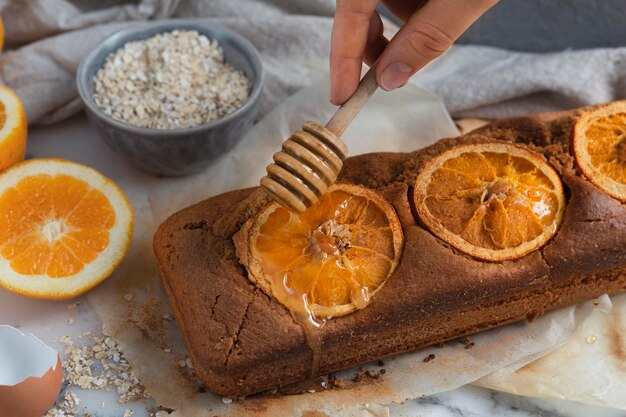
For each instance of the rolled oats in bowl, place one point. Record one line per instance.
(172, 80)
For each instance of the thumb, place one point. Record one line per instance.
(428, 33)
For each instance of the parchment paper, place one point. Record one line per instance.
(401, 121)
(589, 368)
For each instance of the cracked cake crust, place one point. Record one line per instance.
(241, 341)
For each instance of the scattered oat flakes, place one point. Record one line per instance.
(101, 366)
(128, 413)
(172, 80)
(227, 400)
(67, 406)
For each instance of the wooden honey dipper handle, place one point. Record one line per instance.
(340, 121)
(310, 160)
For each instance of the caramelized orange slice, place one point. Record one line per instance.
(329, 260)
(493, 201)
(599, 143)
(63, 228)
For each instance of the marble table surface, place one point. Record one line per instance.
(48, 320)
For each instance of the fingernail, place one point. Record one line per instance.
(395, 75)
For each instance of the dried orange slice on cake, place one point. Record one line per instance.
(329, 260)
(12, 129)
(493, 201)
(599, 143)
(64, 228)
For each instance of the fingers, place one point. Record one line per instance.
(404, 9)
(376, 42)
(427, 34)
(349, 39)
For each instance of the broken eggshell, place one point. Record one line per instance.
(30, 374)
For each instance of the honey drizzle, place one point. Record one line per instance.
(329, 239)
(312, 328)
(298, 306)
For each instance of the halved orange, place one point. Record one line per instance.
(1, 34)
(493, 201)
(329, 260)
(599, 143)
(12, 129)
(64, 228)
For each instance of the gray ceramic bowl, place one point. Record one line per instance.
(174, 152)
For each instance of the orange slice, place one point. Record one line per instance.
(329, 260)
(1, 34)
(493, 201)
(599, 143)
(64, 228)
(12, 129)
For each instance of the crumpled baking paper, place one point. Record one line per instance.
(589, 368)
(404, 120)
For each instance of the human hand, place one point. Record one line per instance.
(431, 26)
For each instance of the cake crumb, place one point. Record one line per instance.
(128, 296)
(372, 375)
(429, 357)
(468, 342)
(335, 382)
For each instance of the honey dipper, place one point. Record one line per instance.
(311, 158)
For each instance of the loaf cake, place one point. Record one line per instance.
(242, 341)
